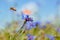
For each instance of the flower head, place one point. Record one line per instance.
(37, 23)
(51, 37)
(48, 22)
(58, 30)
(44, 26)
(31, 37)
(26, 17)
(29, 25)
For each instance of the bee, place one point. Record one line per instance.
(12, 8)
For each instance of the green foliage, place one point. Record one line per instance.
(23, 35)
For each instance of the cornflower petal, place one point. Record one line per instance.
(58, 30)
(30, 37)
(50, 37)
(28, 26)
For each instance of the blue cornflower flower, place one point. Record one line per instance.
(48, 22)
(39, 24)
(23, 15)
(33, 24)
(26, 21)
(26, 17)
(30, 37)
(30, 25)
(58, 30)
(44, 26)
(50, 37)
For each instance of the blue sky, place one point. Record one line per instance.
(47, 8)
